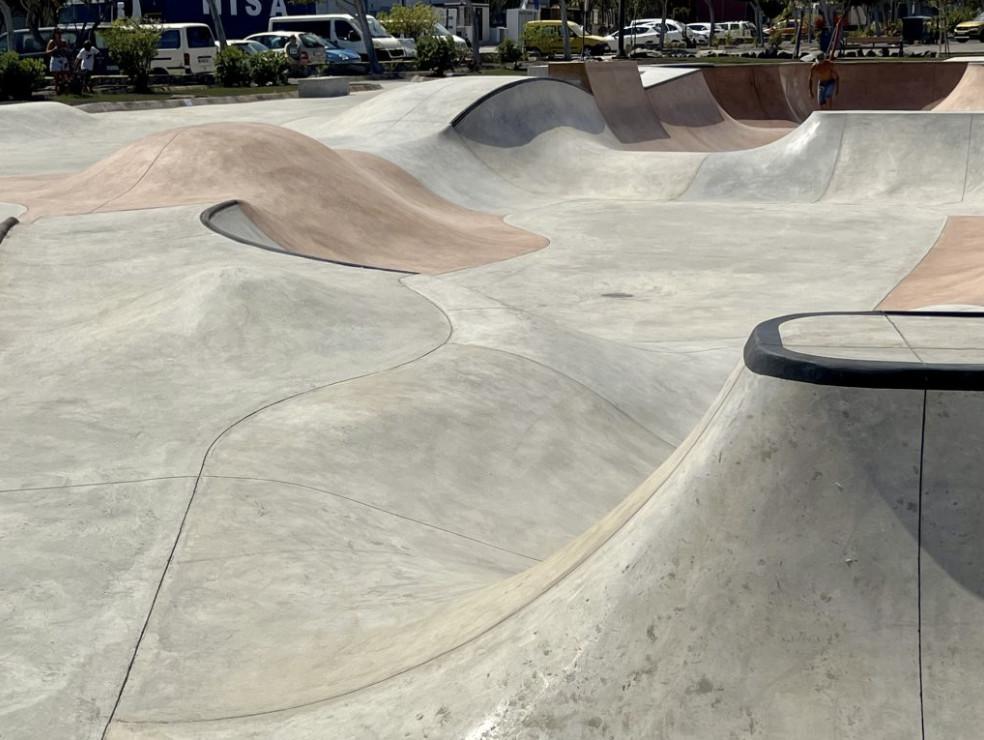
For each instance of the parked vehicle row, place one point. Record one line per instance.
(307, 52)
(544, 39)
(184, 49)
(343, 31)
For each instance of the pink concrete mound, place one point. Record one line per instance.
(952, 272)
(968, 95)
(311, 200)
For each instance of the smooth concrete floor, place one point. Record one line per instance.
(247, 494)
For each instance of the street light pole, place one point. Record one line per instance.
(621, 25)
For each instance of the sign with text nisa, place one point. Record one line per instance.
(240, 18)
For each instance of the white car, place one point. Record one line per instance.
(304, 50)
(645, 37)
(737, 30)
(248, 47)
(701, 32)
(671, 25)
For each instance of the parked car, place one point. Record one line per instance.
(343, 30)
(336, 56)
(461, 45)
(972, 29)
(786, 30)
(24, 43)
(185, 50)
(645, 37)
(305, 51)
(701, 33)
(247, 46)
(543, 38)
(459, 41)
(672, 25)
(738, 30)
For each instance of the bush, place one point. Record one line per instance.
(19, 78)
(436, 53)
(413, 22)
(269, 68)
(509, 53)
(232, 67)
(133, 46)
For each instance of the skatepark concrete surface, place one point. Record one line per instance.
(660, 420)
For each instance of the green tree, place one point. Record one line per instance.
(413, 21)
(133, 46)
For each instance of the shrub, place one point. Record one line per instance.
(413, 22)
(19, 78)
(436, 53)
(269, 68)
(509, 53)
(232, 67)
(133, 46)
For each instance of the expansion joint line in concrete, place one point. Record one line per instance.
(912, 349)
(833, 165)
(143, 174)
(919, 527)
(967, 159)
(380, 509)
(668, 468)
(194, 491)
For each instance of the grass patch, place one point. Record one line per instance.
(174, 92)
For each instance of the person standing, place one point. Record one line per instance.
(57, 53)
(85, 62)
(827, 80)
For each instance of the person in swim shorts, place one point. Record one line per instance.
(827, 80)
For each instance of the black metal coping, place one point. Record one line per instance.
(765, 354)
(6, 225)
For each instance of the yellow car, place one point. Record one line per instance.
(542, 39)
(970, 30)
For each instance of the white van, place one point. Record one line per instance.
(185, 49)
(344, 30)
(739, 30)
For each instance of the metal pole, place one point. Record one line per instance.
(621, 25)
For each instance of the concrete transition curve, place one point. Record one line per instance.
(808, 535)
(307, 199)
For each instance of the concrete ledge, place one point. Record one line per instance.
(918, 350)
(322, 87)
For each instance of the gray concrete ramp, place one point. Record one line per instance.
(790, 552)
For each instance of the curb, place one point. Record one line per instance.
(109, 107)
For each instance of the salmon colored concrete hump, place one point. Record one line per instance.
(770, 93)
(968, 95)
(680, 114)
(311, 200)
(951, 273)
